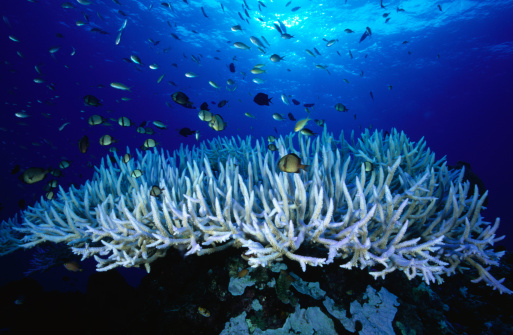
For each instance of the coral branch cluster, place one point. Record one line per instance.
(380, 202)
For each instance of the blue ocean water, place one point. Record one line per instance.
(438, 70)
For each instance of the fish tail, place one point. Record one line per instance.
(304, 167)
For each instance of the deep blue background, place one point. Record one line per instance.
(460, 102)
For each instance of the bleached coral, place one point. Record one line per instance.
(410, 213)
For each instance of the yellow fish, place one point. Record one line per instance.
(301, 124)
(291, 163)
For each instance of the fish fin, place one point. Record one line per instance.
(304, 167)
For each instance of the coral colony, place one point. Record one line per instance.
(380, 202)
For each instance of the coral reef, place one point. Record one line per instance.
(380, 202)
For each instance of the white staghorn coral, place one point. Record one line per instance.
(410, 213)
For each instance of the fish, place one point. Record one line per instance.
(291, 117)
(160, 79)
(217, 123)
(16, 169)
(257, 42)
(204, 106)
(205, 115)
(65, 5)
(295, 9)
(349, 31)
(107, 140)
(295, 102)
(350, 54)
(64, 164)
(63, 125)
(149, 143)
(330, 43)
(278, 117)
(291, 163)
(364, 36)
(53, 50)
(285, 99)
(123, 26)
(301, 124)
(310, 53)
(320, 123)
(135, 59)
(120, 86)
(98, 30)
(222, 103)
(307, 132)
(283, 27)
(276, 58)
(186, 132)
(257, 70)
(126, 158)
(371, 95)
(272, 147)
(22, 115)
(203, 11)
(277, 27)
(91, 100)
(341, 107)
(258, 80)
(249, 115)
(33, 175)
(96, 120)
(213, 84)
(323, 67)
(262, 99)
(159, 124)
(182, 99)
(286, 36)
(155, 191)
(308, 105)
(317, 51)
(123, 121)
(440, 7)
(118, 38)
(242, 46)
(232, 67)
(136, 173)
(262, 4)
(263, 38)
(191, 75)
